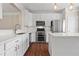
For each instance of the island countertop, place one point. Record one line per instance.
(64, 34)
(63, 44)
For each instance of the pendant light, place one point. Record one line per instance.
(71, 6)
(55, 6)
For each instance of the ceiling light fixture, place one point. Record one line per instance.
(55, 6)
(71, 6)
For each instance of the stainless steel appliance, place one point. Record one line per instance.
(57, 26)
(40, 23)
(40, 35)
(40, 32)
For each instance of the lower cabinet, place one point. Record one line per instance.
(1, 49)
(18, 46)
(25, 43)
(10, 52)
(10, 47)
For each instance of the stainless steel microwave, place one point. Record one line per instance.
(40, 23)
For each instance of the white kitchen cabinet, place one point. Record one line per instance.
(14, 47)
(1, 49)
(17, 46)
(22, 44)
(25, 43)
(11, 52)
(28, 19)
(50, 44)
(10, 48)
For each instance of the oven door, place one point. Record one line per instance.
(40, 36)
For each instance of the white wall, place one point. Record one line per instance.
(9, 21)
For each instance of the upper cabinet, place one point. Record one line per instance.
(47, 17)
(28, 19)
(0, 11)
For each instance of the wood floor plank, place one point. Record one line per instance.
(38, 49)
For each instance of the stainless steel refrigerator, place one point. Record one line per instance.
(56, 26)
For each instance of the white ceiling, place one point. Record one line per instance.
(37, 7)
(8, 7)
(45, 7)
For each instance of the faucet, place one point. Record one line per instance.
(17, 26)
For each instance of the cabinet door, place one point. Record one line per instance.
(30, 20)
(27, 42)
(11, 52)
(18, 43)
(24, 43)
(1, 49)
(19, 46)
(10, 48)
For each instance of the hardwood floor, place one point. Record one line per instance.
(38, 49)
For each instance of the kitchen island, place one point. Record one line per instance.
(63, 44)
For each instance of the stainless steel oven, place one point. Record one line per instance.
(40, 35)
(40, 32)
